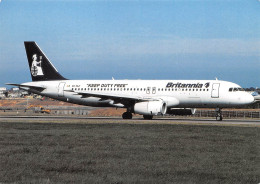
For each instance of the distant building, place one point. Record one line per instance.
(15, 89)
(24, 93)
(14, 93)
(3, 92)
(3, 89)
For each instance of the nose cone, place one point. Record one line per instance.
(248, 99)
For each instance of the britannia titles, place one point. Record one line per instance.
(182, 85)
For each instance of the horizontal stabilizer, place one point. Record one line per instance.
(28, 86)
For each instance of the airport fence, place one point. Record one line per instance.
(229, 113)
(84, 111)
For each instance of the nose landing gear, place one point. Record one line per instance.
(219, 116)
(127, 115)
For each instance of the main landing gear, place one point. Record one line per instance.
(219, 116)
(127, 115)
(148, 117)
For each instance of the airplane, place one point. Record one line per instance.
(144, 97)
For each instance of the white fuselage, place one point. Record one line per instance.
(176, 93)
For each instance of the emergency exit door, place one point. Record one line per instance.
(148, 90)
(215, 90)
(154, 90)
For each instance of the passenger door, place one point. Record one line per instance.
(61, 89)
(215, 90)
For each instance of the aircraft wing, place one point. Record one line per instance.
(116, 98)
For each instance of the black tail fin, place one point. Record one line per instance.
(40, 66)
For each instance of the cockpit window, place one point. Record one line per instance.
(236, 89)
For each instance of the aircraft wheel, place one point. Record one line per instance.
(127, 115)
(148, 117)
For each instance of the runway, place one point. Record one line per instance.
(136, 120)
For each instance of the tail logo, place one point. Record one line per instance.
(36, 68)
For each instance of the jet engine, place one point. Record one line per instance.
(181, 112)
(150, 108)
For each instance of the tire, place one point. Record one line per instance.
(148, 117)
(127, 115)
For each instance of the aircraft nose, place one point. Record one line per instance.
(248, 99)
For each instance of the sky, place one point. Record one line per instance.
(134, 39)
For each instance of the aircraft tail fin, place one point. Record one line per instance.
(40, 66)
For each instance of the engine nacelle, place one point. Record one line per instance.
(150, 108)
(181, 112)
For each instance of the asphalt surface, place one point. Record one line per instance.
(136, 120)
